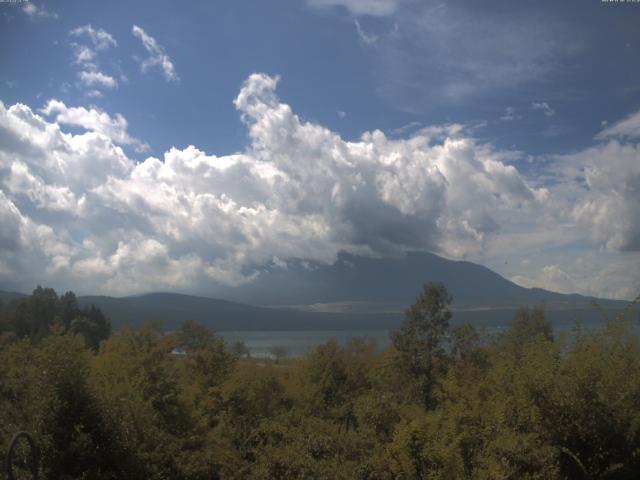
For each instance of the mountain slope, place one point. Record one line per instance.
(8, 297)
(171, 309)
(394, 282)
(354, 293)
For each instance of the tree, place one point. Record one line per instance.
(33, 316)
(278, 352)
(69, 309)
(335, 376)
(92, 325)
(44, 313)
(194, 337)
(240, 349)
(464, 342)
(420, 339)
(527, 325)
(206, 353)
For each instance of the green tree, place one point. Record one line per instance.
(421, 337)
(34, 316)
(92, 325)
(43, 313)
(240, 349)
(206, 353)
(43, 305)
(465, 342)
(528, 324)
(194, 337)
(136, 379)
(75, 440)
(278, 352)
(69, 309)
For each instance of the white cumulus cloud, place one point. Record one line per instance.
(78, 213)
(94, 120)
(298, 191)
(608, 193)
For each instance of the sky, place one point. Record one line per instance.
(176, 146)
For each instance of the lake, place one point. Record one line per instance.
(298, 342)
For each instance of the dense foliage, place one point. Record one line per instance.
(438, 403)
(43, 313)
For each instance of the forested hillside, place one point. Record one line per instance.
(440, 402)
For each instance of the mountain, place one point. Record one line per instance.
(8, 297)
(354, 293)
(171, 309)
(395, 283)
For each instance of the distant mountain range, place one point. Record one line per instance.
(354, 293)
(7, 297)
(172, 308)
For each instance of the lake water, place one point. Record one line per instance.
(298, 343)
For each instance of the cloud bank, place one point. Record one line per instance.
(75, 208)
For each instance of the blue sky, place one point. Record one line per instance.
(507, 136)
(578, 57)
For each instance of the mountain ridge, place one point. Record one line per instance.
(354, 293)
(399, 281)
